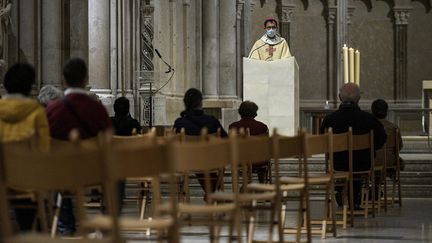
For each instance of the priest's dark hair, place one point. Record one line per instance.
(379, 108)
(19, 79)
(271, 19)
(192, 99)
(75, 72)
(248, 109)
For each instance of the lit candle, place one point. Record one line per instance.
(351, 65)
(345, 62)
(357, 68)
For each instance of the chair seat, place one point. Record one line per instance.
(341, 175)
(313, 179)
(205, 208)
(243, 197)
(103, 222)
(38, 238)
(272, 187)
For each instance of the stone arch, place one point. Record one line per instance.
(426, 3)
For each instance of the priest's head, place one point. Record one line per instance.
(349, 93)
(270, 25)
(75, 73)
(193, 99)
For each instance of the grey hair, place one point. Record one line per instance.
(48, 93)
(349, 92)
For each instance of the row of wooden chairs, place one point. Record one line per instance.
(73, 168)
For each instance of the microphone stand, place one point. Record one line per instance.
(151, 93)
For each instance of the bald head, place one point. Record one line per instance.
(349, 92)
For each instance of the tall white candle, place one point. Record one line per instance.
(357, 68)
(345, 63)
(351, 65)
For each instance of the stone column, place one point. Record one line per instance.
(286, 11)
(99, 45)
(331, 78)
(51, 42)
(342, 37)
(240, 40)
(401, 15)
(210, 47)
(79, 29)
(227, 50)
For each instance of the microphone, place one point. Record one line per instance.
(256, 49)
(170, 69)
(157, 52)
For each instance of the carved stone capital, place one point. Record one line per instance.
(252, 5)
(401, 15)
(147, 8)
(239, 8)
(186, 3)
(331, 15)
(350, 14)
(287, 13)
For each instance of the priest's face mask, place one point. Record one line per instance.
(271, 29)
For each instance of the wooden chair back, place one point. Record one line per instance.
(248, 151)
(139, 160)
(202, 156)
(71, 170)
(138, 140)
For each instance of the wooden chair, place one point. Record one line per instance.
(388, 156)
(247, 151)
(136, 160)
(71, 170)
(366, 142)
(342, 142)
(73, 143)
(204, 156)
(316, 145)
(142, 185)
(287, 147)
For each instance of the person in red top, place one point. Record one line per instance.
(76, 110)
(248, 112)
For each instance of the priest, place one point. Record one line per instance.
(271, 46)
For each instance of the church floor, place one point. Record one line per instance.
(412, 223)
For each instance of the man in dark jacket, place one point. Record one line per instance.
(348, 115)
(193, 119)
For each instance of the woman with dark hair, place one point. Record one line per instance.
(248, 111)
(122, 121)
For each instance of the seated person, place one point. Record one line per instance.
(22, 118)
(348, 115)
(77, 110)
(379, 110)
(193, 119)
(48, 93)
(248, 112)
(122, 121)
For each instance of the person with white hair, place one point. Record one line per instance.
(48, 93)
(349, 115)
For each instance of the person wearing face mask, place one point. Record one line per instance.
(270, 46)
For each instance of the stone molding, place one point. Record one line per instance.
(350, 14)
(401, 15)
(331, 15)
